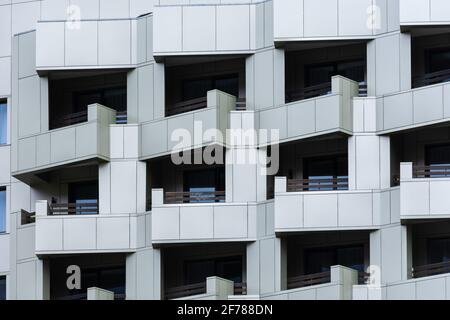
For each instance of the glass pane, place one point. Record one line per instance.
(319, 74)
(3, 123)
(354, 70)
(352, 257)
(230, 269)
(439, 157)
(439, 250)
(2, 288)
(116, 99)
(439, 60)
(229, 85)
(317, 261)
(2, 210)
(194, 89)
(198, 271)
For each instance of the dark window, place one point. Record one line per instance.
(227, 268)
(320, 260)
(326, 168)
(198, 88)
(3, 122)
(115, 98)
(2, 209)
(322, 73)
(438, 250)
(437, 155)
(84, 193)
(438, 60)
(2, 287)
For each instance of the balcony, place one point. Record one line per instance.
(324, 204)
(105, 44)
(321, 115)
(432, 78)
(423, 192)
(194, 291)
(337, 284)
(306, 20)
(79, 228)
(424, 13)
(225, 29)
(158, 134)
(75, 143)
(203, 217)
(413, 108)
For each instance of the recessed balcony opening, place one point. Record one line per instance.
(186, 268)
(105, 271)
(189, 80)
(430, 248)
(311, 256)
(3, 122)
(430, 57)
(70, 93)
(318, 164)
(428, 149)
(75, 190)
(187, 183)
(309, 70)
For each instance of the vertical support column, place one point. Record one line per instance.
(406, 252)
(245, 164)
(253, 270)
(42, 279)
(369, 162)
(280, 264)
(265, 79)
(389, 64)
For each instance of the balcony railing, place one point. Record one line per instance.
(308, 280)
(431, 78)
(435, 171)
(194, 197)
(300, 185)
(121, 117)
(319, 90)
(185, 291)
(199, 288)
(186, 106)
(27, 217)
(431, 269)
(241, 104)
(57, 209)
(70, 119)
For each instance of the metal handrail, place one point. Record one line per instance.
(308, 280)
(431, 78)
(73, 208)
(299, 185)
(435, 171)
(431, 269)
(194, 197)
(186, 106)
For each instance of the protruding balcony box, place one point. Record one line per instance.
(424, 13)
(83, 233)
(207, 29)
(80, 142)
(304, 20)
(338, 287)
(187, 130)
(414, 108)
(105, 44)
(328, 210)
(207, 222)
(316, 116)
(425, 197)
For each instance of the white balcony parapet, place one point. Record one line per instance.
(334, 209)
(225, 29)
(424, 197)
(315, 116)
(340, 287)
(103, 43)
(95, 293)
(74, 143)
(424, 12)
(163, 136)
(208, 222)
(306, 20)
(414, 108)
(85, 233)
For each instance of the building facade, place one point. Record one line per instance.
(335, 187)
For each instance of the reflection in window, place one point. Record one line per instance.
(3, 122)
(2, 209)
